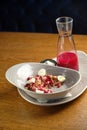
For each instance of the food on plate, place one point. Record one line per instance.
(43, 83)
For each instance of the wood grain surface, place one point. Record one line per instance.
(18, 114)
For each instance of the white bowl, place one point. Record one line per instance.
(18, 74)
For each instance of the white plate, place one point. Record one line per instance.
(76, 92)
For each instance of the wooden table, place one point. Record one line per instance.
(18, 114)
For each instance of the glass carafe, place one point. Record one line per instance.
(66, 51)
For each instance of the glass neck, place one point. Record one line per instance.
(65, 33)
(64, 29)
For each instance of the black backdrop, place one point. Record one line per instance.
(40, 15)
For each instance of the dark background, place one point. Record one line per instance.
(40, 15)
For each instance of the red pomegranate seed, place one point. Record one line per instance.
(43, 83)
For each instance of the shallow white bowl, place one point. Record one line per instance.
(18, 74)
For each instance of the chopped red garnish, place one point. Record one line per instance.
(42, 83)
